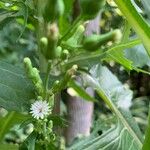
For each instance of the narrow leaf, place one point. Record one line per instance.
(89, 59)
(82, 93)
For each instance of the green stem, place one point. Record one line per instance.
(136, 21)
(40, 28)
(45, 134)
(47, 78)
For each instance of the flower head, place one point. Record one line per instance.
(39, 109)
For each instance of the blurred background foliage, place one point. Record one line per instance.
(17, 40)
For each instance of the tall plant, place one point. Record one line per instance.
(64, 53)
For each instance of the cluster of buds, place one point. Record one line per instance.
(33, 74)
(49, 42)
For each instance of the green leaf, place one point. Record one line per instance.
(136, 21)
(58, 120)
(8, 147)
(126, 135)
(30, 4)
(15, 89)
(116, 138)
(119, 57)
(9, 14)
(5, 18)
(146, 144)
(64, 21)
(89, 59)
(23, 11)
(29, 143)
(9, 121)
(138, 56)
(126, 32)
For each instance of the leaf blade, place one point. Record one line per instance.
(126, 134)
(15, 89)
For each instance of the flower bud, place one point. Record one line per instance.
(53, 10)
(44, 41)
(52, 31)
(58, 52)
(90, 8)
(93, 42)
(28, 66)
(117, 35)
(76, 37)
(65, 54)
(33, 74)
(36, 76)
(52, 36)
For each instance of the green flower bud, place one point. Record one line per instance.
(39, 98)
(72, 71)
(43, 45)
(58, 52)
(51, 99)
(28, 65)
(52, 31)
(76, 37)
(50, 124)
(39, 88)
(36, 76)
(33, 74)
(53, 10)
(52, 36)
(27, 62)
(117, 36)
(90, 8)
(60, 85)
(93, 42)
(65, 54)
(53, 137)
(44, 41)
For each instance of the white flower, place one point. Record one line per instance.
(39, 109)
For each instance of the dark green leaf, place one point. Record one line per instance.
(15, 89)
(8, 147)
(5, 18)
(9, 121)
(29, 143)
(58, 120)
